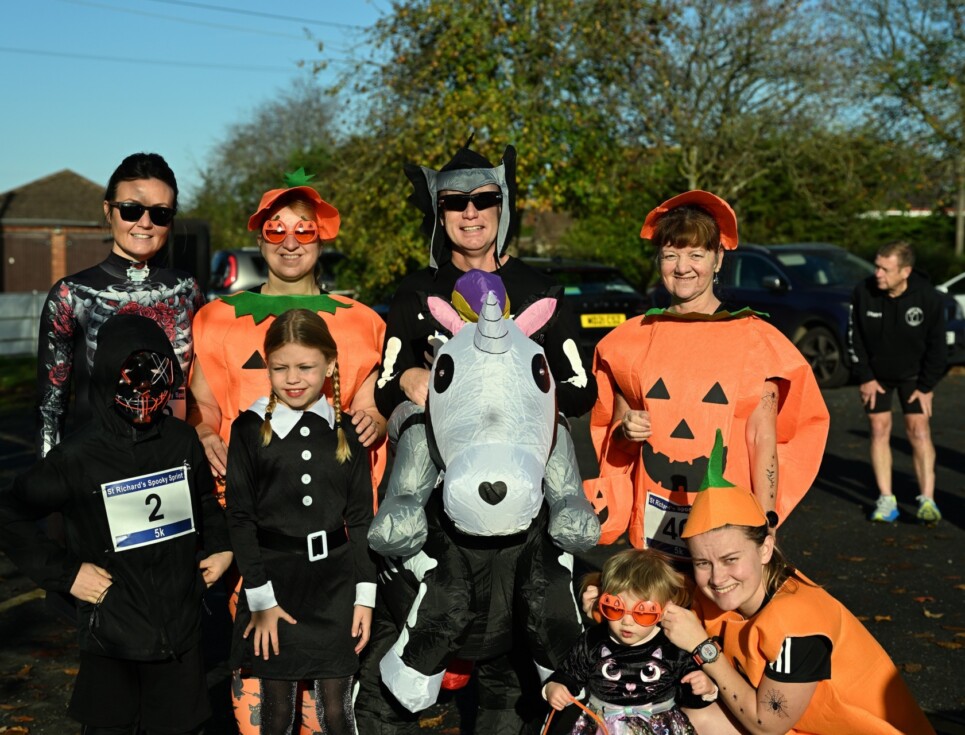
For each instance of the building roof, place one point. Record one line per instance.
(63, 198)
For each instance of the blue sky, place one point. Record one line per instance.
(86, 82)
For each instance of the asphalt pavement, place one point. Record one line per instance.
(906, 582)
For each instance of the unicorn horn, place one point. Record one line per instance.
(492, 332)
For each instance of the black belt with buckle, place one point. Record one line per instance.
(316, 545)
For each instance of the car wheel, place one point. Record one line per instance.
(825, 356)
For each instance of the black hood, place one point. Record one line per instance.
(466, 171)
(120, 337)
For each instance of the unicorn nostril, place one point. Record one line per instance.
(492, 492)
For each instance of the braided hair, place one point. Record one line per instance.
(306, 328)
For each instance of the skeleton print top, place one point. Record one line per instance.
(75, 309)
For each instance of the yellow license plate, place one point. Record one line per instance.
(589, 321)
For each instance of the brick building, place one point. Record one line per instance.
(54, 226)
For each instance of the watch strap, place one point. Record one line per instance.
(698, 659)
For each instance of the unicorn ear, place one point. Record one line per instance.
(535, 316)
(444, 313)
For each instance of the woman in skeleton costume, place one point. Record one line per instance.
(139, 205)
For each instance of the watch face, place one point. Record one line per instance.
(708, 652)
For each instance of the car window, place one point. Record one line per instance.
(589, 282)
(820, 268)
(750, 270)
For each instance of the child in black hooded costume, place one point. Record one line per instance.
(135, 493)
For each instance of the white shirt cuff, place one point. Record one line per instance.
(261, 598)
(365, 594)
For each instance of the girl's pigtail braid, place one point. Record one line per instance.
(342, 453)
(266, 424)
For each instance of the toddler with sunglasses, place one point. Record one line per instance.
(636, 678)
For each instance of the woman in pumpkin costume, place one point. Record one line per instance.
(787, 656)
(229, 372)
(668, 380)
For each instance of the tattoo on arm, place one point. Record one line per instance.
(776, 703)
(769, 401)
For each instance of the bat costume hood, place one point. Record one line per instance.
(468, 170)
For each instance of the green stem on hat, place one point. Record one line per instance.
(298, 178)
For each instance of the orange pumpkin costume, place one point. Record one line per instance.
(230, 336)
(865, 693)
(694, 374)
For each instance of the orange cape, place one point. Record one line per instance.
(695, 376)
(865, 693)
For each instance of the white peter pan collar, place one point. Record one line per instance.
(283, 419)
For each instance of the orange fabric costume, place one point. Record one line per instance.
(696, 374)
(230, 334)
(865, 693)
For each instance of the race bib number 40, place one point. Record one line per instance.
(148, 509)
(663, 522)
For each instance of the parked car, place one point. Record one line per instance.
(806, 288)
(955, 286)
(598, 294)
(240, 269)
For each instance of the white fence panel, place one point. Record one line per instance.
(20, 322)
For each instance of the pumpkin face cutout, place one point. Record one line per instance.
(682, 467)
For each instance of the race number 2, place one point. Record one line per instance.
(148, 509)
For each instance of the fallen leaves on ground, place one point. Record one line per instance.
(950, 645)
(910, 668)
(925, 598)
(882, 618)
(929, 614)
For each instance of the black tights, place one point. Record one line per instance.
(333, 706)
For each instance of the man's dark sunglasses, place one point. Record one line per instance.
(480, 200)
(132, 212)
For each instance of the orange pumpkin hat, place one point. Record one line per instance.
(719, 502)
(296, 183)
(717, 207)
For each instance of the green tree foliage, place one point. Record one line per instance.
(710, 85)
(284, 133)
(910, 57)
(612, 105)
(508, 71)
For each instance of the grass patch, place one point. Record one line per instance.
(18, 380)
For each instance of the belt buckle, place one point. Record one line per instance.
(312, 556)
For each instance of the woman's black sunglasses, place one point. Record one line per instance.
(480, 200)
(132, 212)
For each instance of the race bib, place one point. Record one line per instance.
(148, 509)
(663, 523)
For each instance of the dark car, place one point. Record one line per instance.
(598, 294)
(240, 269)
(805, 288)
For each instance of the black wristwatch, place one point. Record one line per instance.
(707, 652)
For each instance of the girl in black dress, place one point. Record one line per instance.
(299, 505)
